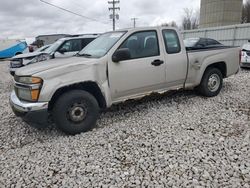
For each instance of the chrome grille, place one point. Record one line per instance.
(16, 63)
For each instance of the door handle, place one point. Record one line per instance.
(157, 62)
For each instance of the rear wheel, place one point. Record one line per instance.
(211, 82)
(75, 112)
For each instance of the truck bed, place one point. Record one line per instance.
(199, 59)
(193, 49)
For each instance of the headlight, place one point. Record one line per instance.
(28, 88)
(42, 57)
(29, 80)
(16, 63)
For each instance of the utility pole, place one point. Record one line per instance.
(134, 20)
(114, 16)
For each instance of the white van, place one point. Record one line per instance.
(65, 47)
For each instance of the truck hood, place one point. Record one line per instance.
(27, 55)
(53, 64)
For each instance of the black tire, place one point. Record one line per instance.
(209, 76)
(75, 111)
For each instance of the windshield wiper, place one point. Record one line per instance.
(85, 55)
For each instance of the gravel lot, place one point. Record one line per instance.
(178, 140)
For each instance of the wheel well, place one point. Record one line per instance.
(221, 66)
(18, 53)
(90, 87)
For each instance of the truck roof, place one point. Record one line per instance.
(146, 28)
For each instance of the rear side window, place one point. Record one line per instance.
(171, 40)
(75, 45)
(72, 45)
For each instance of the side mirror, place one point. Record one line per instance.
(52, 55)
(62, 51)
(121, 55)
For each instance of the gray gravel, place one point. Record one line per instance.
(178, 140)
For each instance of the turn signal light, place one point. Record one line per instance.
(36, 80)
(35, 94)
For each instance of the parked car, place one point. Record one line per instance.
(65, 47)
(245, 55)
(10, 48)
(117, 66)
(201, 43)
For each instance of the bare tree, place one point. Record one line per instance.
(172, 24)
(246, 12)
(190, 19)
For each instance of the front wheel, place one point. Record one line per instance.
(76, 111)
(211, 82)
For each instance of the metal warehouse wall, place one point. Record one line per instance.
(234, 35)
(215, 13)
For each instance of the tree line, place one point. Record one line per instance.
(246, 13)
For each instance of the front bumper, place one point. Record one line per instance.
(12, 71)
(35, 114)
(247, 65)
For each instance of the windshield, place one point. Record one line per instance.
(190, 42)
(54, 46)
(100, 46)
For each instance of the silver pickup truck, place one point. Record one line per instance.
(116, 67)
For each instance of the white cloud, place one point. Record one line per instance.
(28, 18)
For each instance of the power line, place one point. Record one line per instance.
(114, 16)
(69, 11)
(134, 21)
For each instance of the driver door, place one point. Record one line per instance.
(138, 74)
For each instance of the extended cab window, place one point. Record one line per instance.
(171, 41)
(142, 44)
